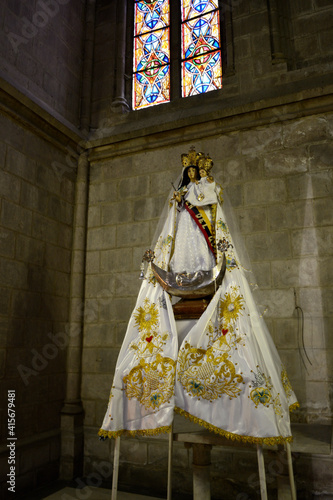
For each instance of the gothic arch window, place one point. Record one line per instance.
(192, 27)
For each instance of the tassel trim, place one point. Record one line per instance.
(139, 432)
(294, 406)
(235, 437)
(230, 435)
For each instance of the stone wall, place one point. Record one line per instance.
(41, 50)
(41, 65)
(279, 180)
(103, 90)
(36, 211)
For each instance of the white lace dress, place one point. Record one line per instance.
(191, 252)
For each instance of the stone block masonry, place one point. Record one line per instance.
(282, 199)
(36, 210)
(41, 47)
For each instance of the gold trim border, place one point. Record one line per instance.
(294, 406)
(235, 437)
(230, 435)
(139, 432)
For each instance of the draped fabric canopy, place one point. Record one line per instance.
(226, 373)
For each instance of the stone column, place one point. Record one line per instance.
(119, 103)
(201, 471)
(275, 31)
(72, 413)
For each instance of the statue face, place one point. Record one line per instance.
(202, 172)
(192, 173)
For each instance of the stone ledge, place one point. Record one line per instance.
(308, 438)
(37, 115)
(128, 138)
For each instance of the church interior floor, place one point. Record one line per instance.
(95, 494)
(89, 492)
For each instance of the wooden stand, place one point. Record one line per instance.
(190, 308)
(262, 474)
(169, 488)
(115, 468)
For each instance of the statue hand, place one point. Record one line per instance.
(176, 196)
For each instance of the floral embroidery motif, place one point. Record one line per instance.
(146, 317)
(263, 392)
(151, 341)
(221, 224)
(162, 250)
(151, 277)
(151, 381)
(231, 306)
(224, 244)
(286, 383)
(209, 373)
(261, 395)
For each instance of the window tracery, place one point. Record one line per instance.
(200, 52)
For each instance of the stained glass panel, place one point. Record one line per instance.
(194, 8)
(201, 53)
(151, 61)
(151, 16)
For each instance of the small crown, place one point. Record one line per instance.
(199, 159)
(192, 157)
(206, 163)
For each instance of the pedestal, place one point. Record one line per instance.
(201, 471)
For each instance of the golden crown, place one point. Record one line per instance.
(198, 159)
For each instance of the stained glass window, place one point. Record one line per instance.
(151, 71)
(201, 62)
(201, 50)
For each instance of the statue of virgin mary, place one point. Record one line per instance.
(222, 370)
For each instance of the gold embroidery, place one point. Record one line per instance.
(230, 307)
(150, 342)
(162, 249)
(286, 383)
(262, 392)
(151, 277)
(294, 406)
(139, 432)
(146, 317)
(151, 383)
(209, 373)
